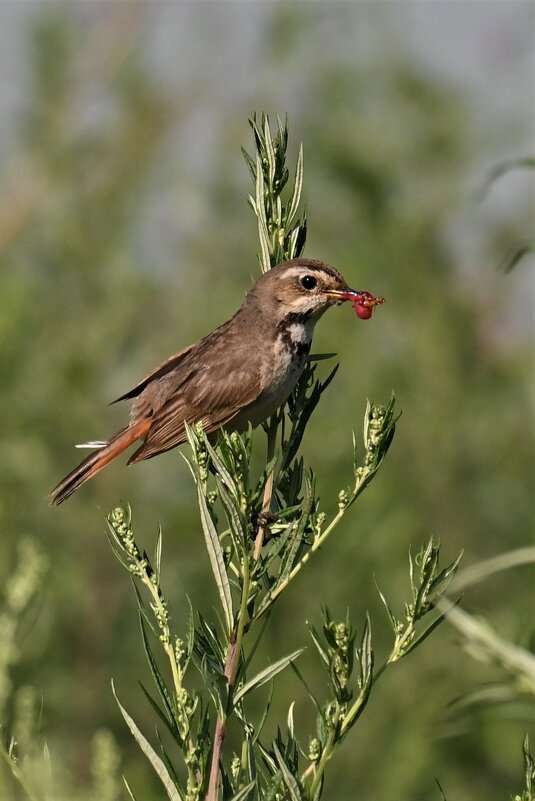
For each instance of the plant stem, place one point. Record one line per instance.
(318, 542)
(230, 672)
(268, 489)
(166, 632)
(322, 764)
(233, 653)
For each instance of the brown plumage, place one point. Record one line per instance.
(236, 375)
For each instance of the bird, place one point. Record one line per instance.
(238, 375)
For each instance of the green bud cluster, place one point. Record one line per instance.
(343, 499)
(120, 521)
(235, 766)
(314, 750)
(180, 651)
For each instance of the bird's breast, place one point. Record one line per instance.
(281, 371)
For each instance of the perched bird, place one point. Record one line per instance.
(240, 373)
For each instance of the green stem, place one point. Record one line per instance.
(268, 489)
(395, 654)
(355, 711)
(318, 542)
(230, 672)
(326, 754)
(166, 632)
(316, 545)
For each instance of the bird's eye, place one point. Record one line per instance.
(308, 282)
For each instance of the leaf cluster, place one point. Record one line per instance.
(283, 768)
(281, 233)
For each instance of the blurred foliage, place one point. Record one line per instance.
(92, 297)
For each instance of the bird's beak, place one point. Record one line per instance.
(363, 301)
(346, 294)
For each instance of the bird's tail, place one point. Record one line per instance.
(96, 461)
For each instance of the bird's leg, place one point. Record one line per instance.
(263, 521)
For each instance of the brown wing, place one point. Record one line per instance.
(214, 391)
(181, 363)
(165, 367)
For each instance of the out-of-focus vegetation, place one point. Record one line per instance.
(91, 298)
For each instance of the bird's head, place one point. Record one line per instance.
(308, 287)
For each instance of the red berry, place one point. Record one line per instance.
(364, 312)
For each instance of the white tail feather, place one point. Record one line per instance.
(94, 443)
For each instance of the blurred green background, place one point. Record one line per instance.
(125, 235)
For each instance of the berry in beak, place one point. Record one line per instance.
(363, 302)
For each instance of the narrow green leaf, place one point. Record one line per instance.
(266, 674)
(233, 512)
(161, 714)
(208, 651)
(263, 235)
(304, 416)
(290, 554)
(278, 219)
(268, 759)
(258, 639)
(318, 645)
(221, 468)
(159, 711)
(530, 767)
(267, 707)
(414, 586)
(256, 132)
(287, 777)
(143, 610)
(250, 163)
(157, 676)
(393, 621)
(366, 656)
(158, 554)
(189, 464)
(290, 720)
(306, 686)
(117, 548)
(440, 584)
(261, 483)
(270, 152)
(128, 789)
(278, 544)
(217, 686)
(298, 185)
(169, 765)
(244, 793)
(292, 243)
(301, 235)
(215, 553)
(429, 630)
(158, 764)
(320, 357)
(248, 756)
(428, 573)
(283, 130)
(190, 634)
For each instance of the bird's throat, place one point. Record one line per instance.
(294, 332)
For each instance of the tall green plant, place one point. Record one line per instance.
(260, 532)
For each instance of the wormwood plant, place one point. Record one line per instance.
(260, 532)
